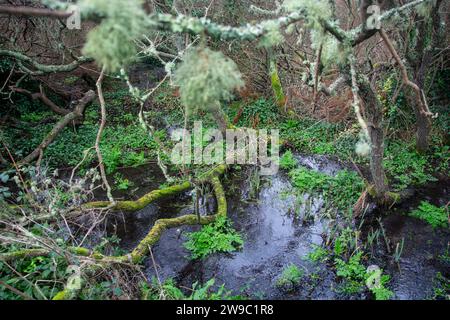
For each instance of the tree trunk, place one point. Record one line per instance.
(374, 116)
(220, 117)
(275, 81)
(420, 59)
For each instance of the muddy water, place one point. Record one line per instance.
(420, 261)
(275, 234)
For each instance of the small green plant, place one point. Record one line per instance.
(218, 236)
(353, 273)
(121, 182)
(290, 277)
(437, 217)
(383, 293)
(318, 254)
(357, 277)
(345, 242)
(287, 161)
(441, 287)
(398, 251)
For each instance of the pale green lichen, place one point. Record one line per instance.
(273, 36)
(424, 9)
(206, 77)
(111, 43)
(314, 10)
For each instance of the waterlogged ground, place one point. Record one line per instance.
(278, 230)
(424, 247)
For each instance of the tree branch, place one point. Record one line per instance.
(43, 68)
(34, 12)
(44, 99)
(421, 100)
(68, 118)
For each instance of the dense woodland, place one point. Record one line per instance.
(93, 207)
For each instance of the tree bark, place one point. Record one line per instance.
(374, 116)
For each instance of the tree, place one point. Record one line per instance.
(112, 46)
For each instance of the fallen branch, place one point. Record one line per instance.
(43, 98)
(155, 194)
(44, 68)
(143, 201)
(77, 113)
(141, 250)
(34, 12)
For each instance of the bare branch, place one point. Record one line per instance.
(75, 114)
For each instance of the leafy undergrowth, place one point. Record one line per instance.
(260, 113)
(319, 137)
(354, 277)
(121, 145)
(407, 167)
(218, 236)
(342, 190)
(435, 216)
(169, 291)
(45, 276)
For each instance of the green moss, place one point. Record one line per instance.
(144, 200)
(275, 81)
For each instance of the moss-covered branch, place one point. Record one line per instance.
(153, 236)
(44, 68)
(154, 195)
(77, 113)
(144, 201)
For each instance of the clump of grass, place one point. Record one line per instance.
(290, 277)
(218, 236)
(437, 217)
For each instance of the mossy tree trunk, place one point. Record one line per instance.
(275, 81)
